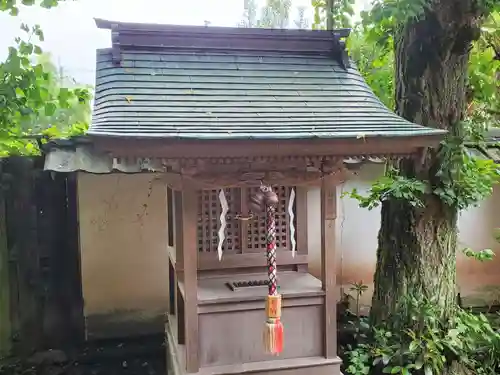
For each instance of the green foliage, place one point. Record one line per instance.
(12, 6)
(32, 99)
(358, 289)
(383, 20)
(374, 63)
(392, 186)
(481, 255)
(484, 74)
(463, 181)
(340, 14)
(379, 27)
(275, 14)
(416, 341)
(358, 360)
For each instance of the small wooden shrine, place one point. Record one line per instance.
(244, 122)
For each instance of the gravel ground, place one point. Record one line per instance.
(139, 356)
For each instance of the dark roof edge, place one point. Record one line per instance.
(136, 36)
(214, 30)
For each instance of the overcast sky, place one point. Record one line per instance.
(72, 38)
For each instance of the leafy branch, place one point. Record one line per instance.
(31, 100)
(340, 14)
(464, 181)
(392, 185)
(12, 6)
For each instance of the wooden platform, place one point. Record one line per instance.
(298, 366)
(230, 322)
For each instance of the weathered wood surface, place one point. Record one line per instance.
(45, 298)
(328, 211)
(5, 325)
(189, 220)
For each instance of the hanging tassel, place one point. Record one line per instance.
(273, 330)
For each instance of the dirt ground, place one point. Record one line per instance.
(139, 356)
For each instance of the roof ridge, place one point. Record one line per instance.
(136, 36)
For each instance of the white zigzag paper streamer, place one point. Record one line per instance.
(292, 217)
(222, 229)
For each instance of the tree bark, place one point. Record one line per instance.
(416, 253)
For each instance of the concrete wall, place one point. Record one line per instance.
(124, 259)
(357, 229)
(123, 253)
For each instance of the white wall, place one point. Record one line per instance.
(356, 239)
(123, 252)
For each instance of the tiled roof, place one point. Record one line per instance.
(217, 94)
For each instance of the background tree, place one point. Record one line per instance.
(250, 18)
(31, 95)
(275, 14)
(431, 61)
(333, 14)
(76, 114)
(374, 62)
(421, 198)
(301, 22)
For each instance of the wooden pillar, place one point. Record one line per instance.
(178, 228)
(190, 257)
(301, 224)
(328, 266)
(178, 265)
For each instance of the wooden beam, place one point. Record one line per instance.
(178, 231)
(328, 267)
(190, 255)
(210, 261)
(180, 148)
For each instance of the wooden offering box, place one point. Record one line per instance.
(230, 321)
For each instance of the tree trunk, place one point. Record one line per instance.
(416, 253)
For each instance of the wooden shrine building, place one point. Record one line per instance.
(229, 115)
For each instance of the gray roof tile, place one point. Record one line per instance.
(215, 95)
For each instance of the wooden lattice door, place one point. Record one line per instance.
(241, 236)
(209, 211)
(256, 236)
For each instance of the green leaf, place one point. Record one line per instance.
(20, 93)
(419, 363)
(50, 109)
(64, 95)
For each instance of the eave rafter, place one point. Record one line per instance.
(215, 173)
